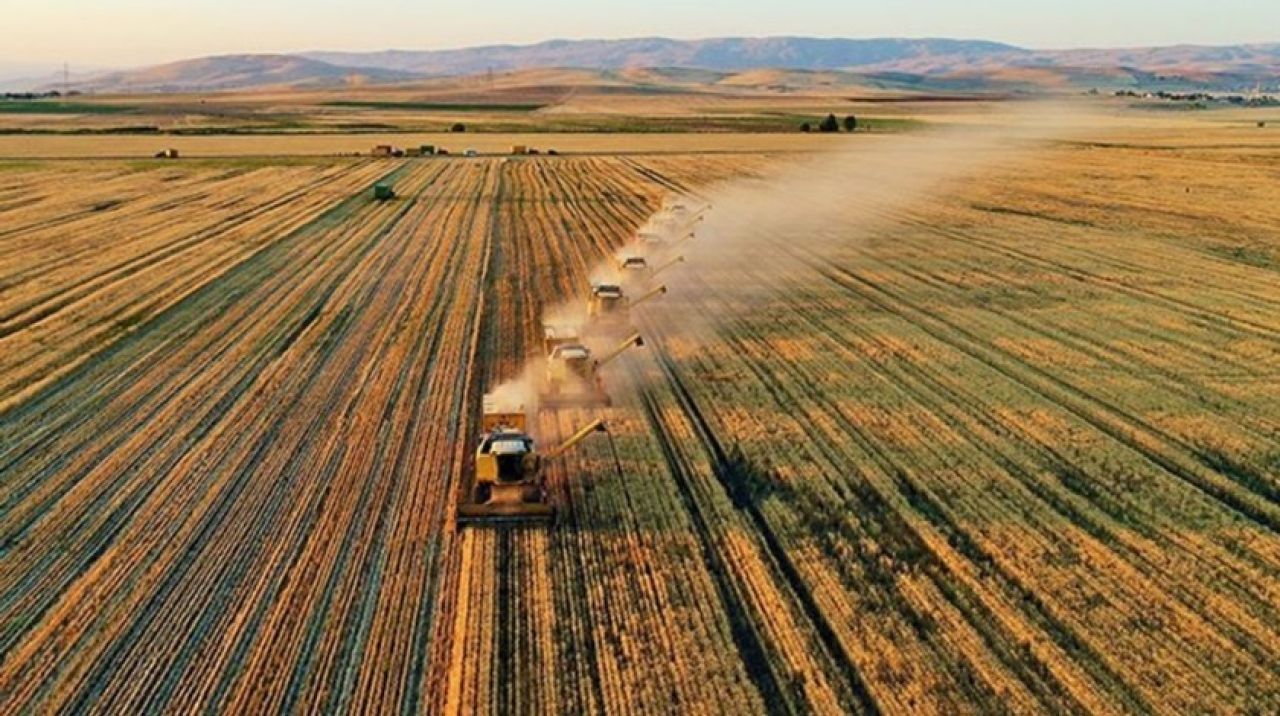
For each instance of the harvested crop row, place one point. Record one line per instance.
(903, 466)
(612, 595)
(218, 478)
(53, 316)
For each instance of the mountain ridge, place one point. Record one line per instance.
(940, 61)
(239, 71)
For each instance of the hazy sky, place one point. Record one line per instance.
(132, 32)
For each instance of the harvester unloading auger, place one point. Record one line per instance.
(664, 266)
(509, 486)
(573, 373)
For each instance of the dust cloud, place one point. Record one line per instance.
(517, 395)
(745, 240)
(765, 233)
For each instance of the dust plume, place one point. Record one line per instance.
(519, 394)
(764, 233)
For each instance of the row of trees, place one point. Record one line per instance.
(831, 124)
(27, 96)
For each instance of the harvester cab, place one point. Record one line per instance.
(556, 334)
(607, 302)
(570, 376)
(633, 264)
(383, 192)
(634, 271)
(508, 484)
(609, 309)
(573, 375)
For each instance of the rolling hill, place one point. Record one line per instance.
(730, 53)
(937, 64)
(228, 72)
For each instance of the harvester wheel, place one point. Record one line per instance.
(481, 493)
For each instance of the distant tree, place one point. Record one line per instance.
(458, 127)
(805, 127)
(830, 124)
(850, 123)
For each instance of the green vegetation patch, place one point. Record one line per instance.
(19, 165)
(36, 106)
(1248, 255)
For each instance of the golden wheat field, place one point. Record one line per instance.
(1007, 441)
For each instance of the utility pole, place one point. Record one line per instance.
(66, 78)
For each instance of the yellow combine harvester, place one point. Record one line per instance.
(680, 211)
(573, 373)
(508, 485)
(636, 265)
(633, 264)
(609, 309)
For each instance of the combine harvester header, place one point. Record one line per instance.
(508, 486)
(573, 376)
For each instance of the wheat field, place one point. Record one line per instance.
(1012, 445)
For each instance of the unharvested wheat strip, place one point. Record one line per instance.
(985, 506)
(455, 696)
(1175, 579)
(1175, 385)
(1170, 579)
(1260, 323)
(1137, 252)
(946, 377)
(1003, 684)
(1117, 424)
(662, 508)
(770, 603)
(542, 605)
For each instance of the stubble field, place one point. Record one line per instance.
(1010, 446)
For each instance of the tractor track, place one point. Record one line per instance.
(865, 703)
